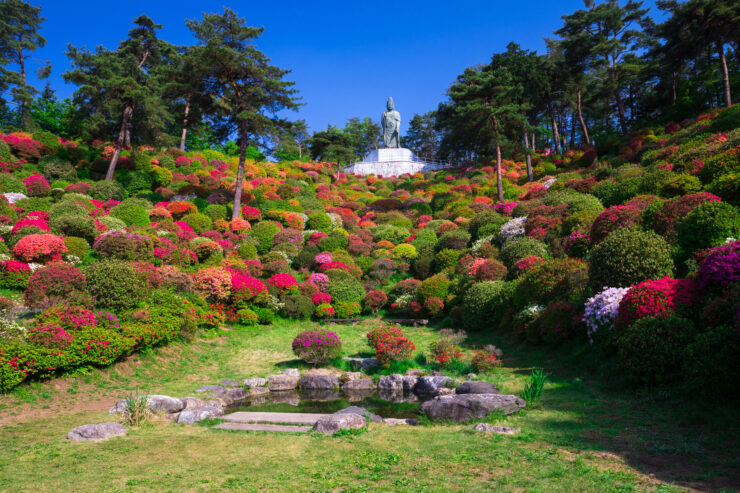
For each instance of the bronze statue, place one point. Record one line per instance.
(391, 122)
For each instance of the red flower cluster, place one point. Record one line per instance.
(40, 248)
(655, 298)
(283, 282)
(36, 186)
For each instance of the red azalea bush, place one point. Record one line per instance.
(435, 306)
(68, 317)
(655, 298)
(445, 352)
(528, 262)
(393, 348)
(384, 331)
(251, 213)
(14, 274)
(50, 335)
(247, 289)
(324, 310)
(484, 361)
(55, 284)
(320, 298)
(674, 210)
(557, 322)
(40, 248)
(214, 283)
(283, 283)
(616, 216)
(375, 300)
(36, 186)
(40, 225)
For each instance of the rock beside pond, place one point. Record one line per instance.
(96, 432)
(356, 381)
(409, 382)
(238, 394)
(258, 391)
(431, 384)
(391, 382)
(332, 423)
(322, 382)
(374, 418)
(195, 403)
(230, 383)
(464, 407)
(416, 372)
(399, 421)
(254, 382)
(293, 372)
(155, 403)
(445, 391)
(282, 382)
(190, 416)
(362, 363)
(475, 387)
(504, 430)
(213, 389)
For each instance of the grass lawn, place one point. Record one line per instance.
(584, 435)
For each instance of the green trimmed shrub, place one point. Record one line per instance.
(247, 250)
(708, 225)
(727, 187)
(708, 357)
(518, 248)
(216, 211)
(297, 306)
(74, 225)
(320, 222)
(629, 256)
(456, 239)
(447, 258)
(576, 201)
(107, 190)
(651, 351)
(344, 288)
(79, 247)
(484, 304)
(394, 234)
(138, 180)
(265, 316)
(679, 185)
(247, 317)
(199, 222)
(262, 233)
(115, 285)
(113, 223)
(561, 279)
(131, 213)
(437, 286)
(59, 170)
(485, 218)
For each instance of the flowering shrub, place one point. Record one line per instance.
(577, 244)
(50, 335)
(393, 348)
(655, 298)
(69, 317)
(721, 267)
(251, 213)
(39, 225)
(214, 283)
(36, 186)
(445, 352)
(484, 361)
(316, 347)
(324, 310)
(320, 298)
(106, 320)
(54, 284)
(616, 216)
(556, 323)
(434, 306)
(512, 229)
(320, 280)
(283, 283)
(671, 212)
(375, 300)
(40, 248)
(345, 309)
(600, 311)
(14, 275)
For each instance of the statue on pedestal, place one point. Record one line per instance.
(391, 122)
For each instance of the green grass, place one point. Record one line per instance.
(583, 436)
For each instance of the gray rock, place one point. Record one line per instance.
(362, 363)
(119, 407)
(445, 391)
(409, 382)
(323, 382)
(194, 403)
(213, 389)
(356, 381)
(464, 407)
(328, 425)
(391, 382)
(431, 384)
(238, 394)
(96, 432)
(399, 421)
(374, 418)
(471, 376)
(476, 387)
(164, 403)
(253, 391)
(254, 382)
(293, 372)
(190, 416)
(505, 430)
(230, 383)
(282, 382)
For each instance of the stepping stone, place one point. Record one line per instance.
(279, 418)
(262, 427)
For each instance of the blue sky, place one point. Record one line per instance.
(346, 57)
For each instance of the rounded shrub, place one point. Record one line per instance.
(297, 306)
(344, 288)
(317, 347)
(437, 286)
(55, 284)
(388, 232)
(263, 233)
(561, 279)
(216, 211)
(79, 247)
(628, 256)
(479, 302)
(119, 245)
(115, 285)
(74, 225)
(319, 221)
(708, 225)
(107, 190)
(132, 213)
(518, 248)
(199, 222)
(616, 216)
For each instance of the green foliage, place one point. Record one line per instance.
(447, 258)
(576, 201)
(344, 288)
(265, 316)
(533, 388)
(484, 303)
(199, 222)
(629, 256)
(137, 181)
(708, 225)
(651, 351)
(132, 213)
(262, 233)
(437, 286)
(107, 190)
(216, 211)
(297, 306)
(74, 225)
(394, 234)
(115, 285)
(678, 185)
(518, 248)
(79, 247)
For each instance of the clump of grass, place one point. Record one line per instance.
(137, 411)
(533, 388)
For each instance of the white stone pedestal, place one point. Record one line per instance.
(391, 162)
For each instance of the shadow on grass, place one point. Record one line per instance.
(675, 437)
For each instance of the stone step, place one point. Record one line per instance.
(279, 418)
(263, 427)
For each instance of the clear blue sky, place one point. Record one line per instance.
(347, 57)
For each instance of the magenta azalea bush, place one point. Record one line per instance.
(317, 347)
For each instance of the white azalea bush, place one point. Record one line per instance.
(601, 310)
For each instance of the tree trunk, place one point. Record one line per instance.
(555, 134)
(725, 74)
(499, 178)
(530, 176)
(572, 129)
(674, 88)
(185, 124)
(128, 111)
(620, 111)
(580, 117)
(532, 141)
(240, 176)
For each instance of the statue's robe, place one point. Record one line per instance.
(391, 122)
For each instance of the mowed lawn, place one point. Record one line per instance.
(583, 436)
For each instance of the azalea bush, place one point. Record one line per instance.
(40, 248)
(317, 347)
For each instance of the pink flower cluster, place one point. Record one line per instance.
(29, 223)
(40, 248)
(655, 298)
(320, 298)
(50, 336)
(36, 186)
(283, 282)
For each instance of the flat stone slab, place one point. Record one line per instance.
(504, 430)
(263, 427)
(279, 418)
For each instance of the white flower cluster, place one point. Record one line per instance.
(273, 303)
(549, 182)
(35, 267)
(478, 244)
(72, 259)
(530, 313)
(601, 310)
(5, 257)
(184, 197)
(5, 229)
(336, 219)
(14, 197)
(512, 229)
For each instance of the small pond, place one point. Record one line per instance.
(392, 406)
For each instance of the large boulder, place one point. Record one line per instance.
(363, 363)
(164, 403)
(464, 407)
(96, 432)
(251, 383)
(293, 372)
(190, 416)
(409, 382)
(319, 382)
(356, 381)
(332, 423)
(391, 382)
(216, 390)
(278, 383)
(475, 387)
(430, 385)
(374, 418)
(235, 395)
(230, 383)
